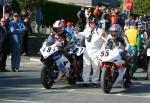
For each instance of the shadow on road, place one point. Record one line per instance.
(137, 88)
(18, 81)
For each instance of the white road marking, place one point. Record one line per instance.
(15, 88)
(34, 60)
(75, 91)
(148, 96)
(19, 101)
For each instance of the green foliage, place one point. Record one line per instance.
(31, 3)
(53, 11)
(22, 4)
(141, 6)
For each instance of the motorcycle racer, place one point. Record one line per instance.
(60, 35)
(117, 36)
(118, 40)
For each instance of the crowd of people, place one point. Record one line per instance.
(95, 29)
(15, 31)
(99, 29)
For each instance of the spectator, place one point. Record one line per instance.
(106, 13)
(102, 23)
(123, 16)
(136, 43)
(114, 18)
(17, 29)
(26, 36)
(3, 46)
(7, 26)
(81, 17)
(88, 13)
(96, 12)
(38, 20)
(71, 32)
(80, 40)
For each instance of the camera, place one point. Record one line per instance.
(89, 38)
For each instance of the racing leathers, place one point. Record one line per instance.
(64, 43)
(123, 40)
(126, 53)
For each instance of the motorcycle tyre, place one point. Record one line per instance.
(146, 64)
(71, 79)
(148, 72)
(106, 88)
(47, 72)
(127, 83)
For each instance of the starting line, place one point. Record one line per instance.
(70, 91)
(19, 101)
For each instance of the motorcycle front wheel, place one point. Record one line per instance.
(106, 80)
(47, 77)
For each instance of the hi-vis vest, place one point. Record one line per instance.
(132, 36)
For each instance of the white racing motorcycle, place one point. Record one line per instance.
(148, 58)
(113, 70)
(50, 72)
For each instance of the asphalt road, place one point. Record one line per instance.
(25, 87)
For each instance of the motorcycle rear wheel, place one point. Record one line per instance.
(71, 80)
(47, 77)
(72, 76)
(148, 72)
(146, 63)
(106, 81)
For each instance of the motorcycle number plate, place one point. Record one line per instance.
(148, 52)
(45, 51)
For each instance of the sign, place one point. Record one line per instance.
(128, 4)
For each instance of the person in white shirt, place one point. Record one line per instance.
(93, 43)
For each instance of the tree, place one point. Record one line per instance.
(141, 7)
(29, 4)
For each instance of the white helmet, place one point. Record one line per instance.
(58, 26)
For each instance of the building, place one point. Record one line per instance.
(108, 3)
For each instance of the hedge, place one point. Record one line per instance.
(53, 11)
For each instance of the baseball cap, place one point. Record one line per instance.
(15, 14)
(68, 24)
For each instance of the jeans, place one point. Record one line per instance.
(37, 27)
(16, 45)
(3, 57)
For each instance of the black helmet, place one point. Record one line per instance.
(93, 20)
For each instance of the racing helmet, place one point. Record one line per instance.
(115, 30)
(58, 26)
